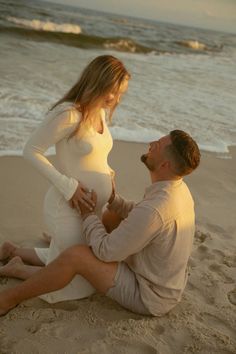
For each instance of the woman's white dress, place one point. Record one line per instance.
(82, 157)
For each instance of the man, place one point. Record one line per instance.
(141, 263)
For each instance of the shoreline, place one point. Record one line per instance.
(222, 155)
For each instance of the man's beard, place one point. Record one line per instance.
(144, 159)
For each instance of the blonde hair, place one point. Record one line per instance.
(101, 76)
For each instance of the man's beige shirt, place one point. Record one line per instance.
(155, 240)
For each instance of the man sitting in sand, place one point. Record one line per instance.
(142, 263)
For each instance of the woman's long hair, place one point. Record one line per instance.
(102, 76)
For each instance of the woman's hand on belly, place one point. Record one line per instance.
(82, 197)
(83, 209)
(100, 182)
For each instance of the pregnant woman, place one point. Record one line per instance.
(76, 126)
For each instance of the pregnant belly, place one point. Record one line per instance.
(100, 182)
(57, 206)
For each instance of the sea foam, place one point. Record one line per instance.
(46, 26)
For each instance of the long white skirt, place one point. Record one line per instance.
(64, 225)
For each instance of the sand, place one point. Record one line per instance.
(204, 321)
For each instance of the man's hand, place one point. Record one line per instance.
(113, 192)
(84, 209)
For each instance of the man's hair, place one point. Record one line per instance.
(183, 152)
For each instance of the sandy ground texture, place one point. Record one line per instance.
(204, 321)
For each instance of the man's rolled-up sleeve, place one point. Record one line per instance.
(131, 236)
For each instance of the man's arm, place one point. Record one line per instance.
(120, 206)
(131, 236)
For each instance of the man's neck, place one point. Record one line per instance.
(159, 178)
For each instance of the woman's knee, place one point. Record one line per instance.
(65, 240)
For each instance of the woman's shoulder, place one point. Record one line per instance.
(65, 107)
(65, 111)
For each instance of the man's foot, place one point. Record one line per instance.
(7, 250)
(12, 268)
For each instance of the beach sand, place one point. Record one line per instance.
(204, 321)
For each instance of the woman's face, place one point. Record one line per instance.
(113, 98)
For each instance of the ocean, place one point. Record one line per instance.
(182, 77)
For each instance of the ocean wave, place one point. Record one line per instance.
(46, 26)
(199, 46)
(138, 135)
(192, 44)
(71, 35)
(126, 45)
(79, 40)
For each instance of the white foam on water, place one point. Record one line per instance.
(10, 153)
(143, 135)
(194, 44)
(51, 151)
(46, 25)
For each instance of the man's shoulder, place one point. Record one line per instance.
(170, 202)
(147, 209)
(150, 205)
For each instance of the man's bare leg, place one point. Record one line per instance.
(9, 250)
(110, 220)
(78, 259)
(16, 268)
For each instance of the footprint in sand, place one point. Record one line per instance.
(200, 237)
(217, 268)
(204, 252)
(218, 324)
(232, 296)
(159, 329)
(216, 229)
(226, 257)
(203, 294)
(203, 249)
(229, 261)
(139, 348)
(33, 327)
(219, 253)
(123, 347)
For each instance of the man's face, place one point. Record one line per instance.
(156, 154)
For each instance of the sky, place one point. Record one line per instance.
(212, 14)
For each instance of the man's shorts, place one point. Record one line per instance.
(126, 290)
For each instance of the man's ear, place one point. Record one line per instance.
(166, 164)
